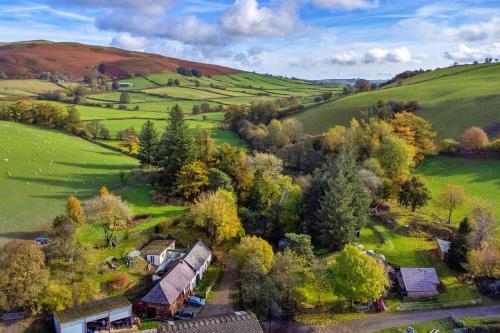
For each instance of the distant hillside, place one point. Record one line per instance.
(32, 58)
(453, 99)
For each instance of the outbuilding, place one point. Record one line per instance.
(198, 258)
(418, 282)
(101, 315)
(443, 248)
(155, 252)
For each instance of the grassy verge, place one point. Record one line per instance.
(443, 325)
(327, 318)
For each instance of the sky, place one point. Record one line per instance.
(312, 39)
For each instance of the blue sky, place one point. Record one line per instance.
(305, 38)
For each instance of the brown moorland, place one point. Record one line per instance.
(31, 58)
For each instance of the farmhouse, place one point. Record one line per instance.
(198, 258)
(242, 322)
(101, 315)
(168, 295)
(156, 251)
(418, 282)
(442, 249)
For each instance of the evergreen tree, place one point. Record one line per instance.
(176, 146)
(205, 146)
(459, 247)
(345, 204)
(148, 142)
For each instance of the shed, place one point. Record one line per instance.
(168, 295)
(155, 251)
(241, 322)
(104, 314)
(198, 258)
(419, 282)
(443, 248)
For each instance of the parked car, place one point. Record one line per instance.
(183, 315)
(195, 301)
(380, 305)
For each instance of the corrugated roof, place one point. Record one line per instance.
(420, 279)
(91, 309)
(197, 255)
(444, 246)
(157, 246)
(172, 285)
(239, 322)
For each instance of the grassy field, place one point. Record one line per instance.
(30, 86)
(183, 92)
(452, 101)
(480, 179)
(39, 168)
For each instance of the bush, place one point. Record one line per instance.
(122, 107)
(495, 146)
(163, 226)
(119, 281)
(448, 145)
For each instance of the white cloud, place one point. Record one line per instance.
(464, 53)
(127, 41)
(373, 56)
(247, 18)
(346, 4)
(476, 32)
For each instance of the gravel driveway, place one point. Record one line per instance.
(221, 300)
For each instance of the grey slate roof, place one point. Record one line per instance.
(238, 322)
(444, 246)
(197, 255)
(92, 308)
(172, 285)
(420, 279)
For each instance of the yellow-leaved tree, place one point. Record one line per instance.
(216, 213)
(74, 210)
(256, 248)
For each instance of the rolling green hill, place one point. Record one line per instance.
(39, 168)
(453, 99)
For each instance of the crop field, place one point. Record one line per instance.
(479, 177)
(451, 102)
(39, 168)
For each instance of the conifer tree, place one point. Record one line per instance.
(148, 142)
(176, 146)
(344, 205)
(459, 247)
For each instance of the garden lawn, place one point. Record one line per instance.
(479, 177)
(443, 325)
(40, 168)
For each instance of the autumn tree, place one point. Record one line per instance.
(459, 247)
(357, 276)
(276, 137)
(176, 146)
(256, 248)
(395, 156)
(327, 95)
(267, 164)
(344, 204)
(103, 191)
(217, 214)
(293, 129)
(415, 131)
(72, 120)
(414, 193)
(474, 139)
(23, 275)
(192, 180)
(452, 196)
(485, 260)
(148, 143)
(74, 210)
(109, 212)
(362, 85)
(131, 143)
(482, 224)
(204, 146)
(234, 162)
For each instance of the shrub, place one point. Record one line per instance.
(495, 146)
(163, 226)
(448, 145)
(122, 107)
(119, 281)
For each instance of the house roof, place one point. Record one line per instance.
(157, 246)
(241, 322)
(444, 246)
(172, 285)
(197, 255)
(91, 309)
(420, 279)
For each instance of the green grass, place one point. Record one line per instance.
(479, 177)
(443, 325)
(451, 102)
(183, 92)
(478, 321)
(138, 83)
(31, 86)
(39, 168)
(327, 318)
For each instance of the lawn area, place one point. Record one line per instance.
(39, 168)
(479, 177)
(443, 325)
(405, 251)
(451, 102)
